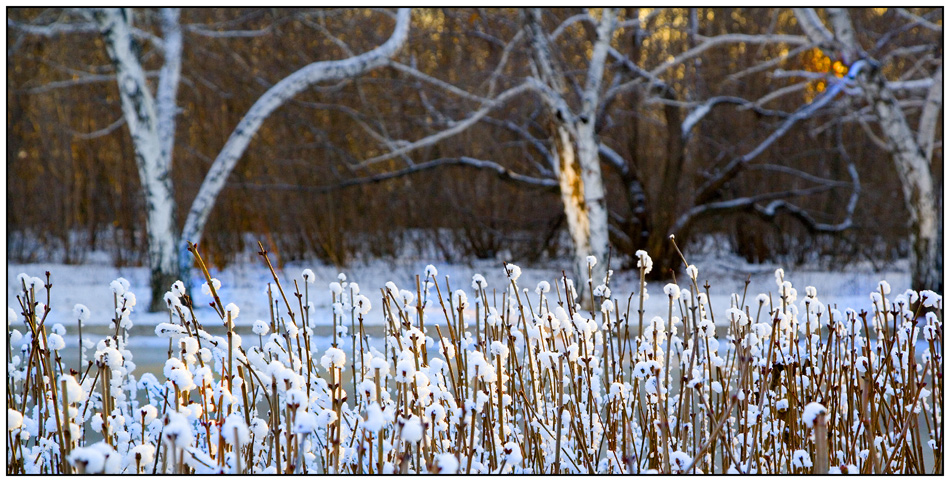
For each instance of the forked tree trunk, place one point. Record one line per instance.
(576, 156)
(153, 130)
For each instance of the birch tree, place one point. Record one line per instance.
(152, 129)
(911, 151)
(580, 100)
(576, 158)
(573, 159)
(663, 202)
(150, 119)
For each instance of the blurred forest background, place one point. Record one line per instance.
(666, 124)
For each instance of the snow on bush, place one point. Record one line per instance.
(501, 382)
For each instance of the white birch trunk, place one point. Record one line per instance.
(594, 201)
(911, 159)
(577, 161)
(152, 159)
(588, 152)
(275, 97)
(168, 81)
(930, 115)
(571, 182)
(917, 184)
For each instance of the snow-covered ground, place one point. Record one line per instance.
(245, 285)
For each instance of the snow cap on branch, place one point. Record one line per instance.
(811, 413)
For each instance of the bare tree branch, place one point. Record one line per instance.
(636, 69)
(54, 29)
(919, 20)
(892, 33)
(63, 28)
(580, 17)
(538, 145)
(771, 210)
(739, 204)
(548, 75)
(710, 42)
(713, 185)
(354, 115)
(84, 80)
(799, 174)
(803, 74)
(697, 114)
(206, 32)
(636, 22)
(864, 114)
(880, 143)
(614, 159)
(326, 33)
(458, 127)
(502, 172)
(915, 84)
(770, 63)
(778, 204)
(434, 81)
(101, 132)
(505, 55)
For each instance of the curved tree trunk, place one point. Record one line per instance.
(275, 97)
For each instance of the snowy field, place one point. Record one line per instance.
(245, 285)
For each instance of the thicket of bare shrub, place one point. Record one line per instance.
(488, 379)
